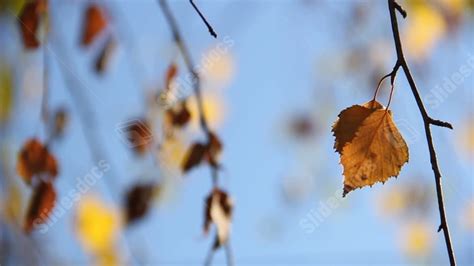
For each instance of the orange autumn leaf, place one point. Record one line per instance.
(35, 159)
(349, 121)
(29, 20)
(41, 204)
(371, 147)
(376, 152)
(94, 23)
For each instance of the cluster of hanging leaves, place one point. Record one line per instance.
(138, 201)
(30, 18)
(370, 146)
(177, 116)
(218, 211)
(38, 168)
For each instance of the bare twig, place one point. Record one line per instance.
(427, 121)
(209, 27)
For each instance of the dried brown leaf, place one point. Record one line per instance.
(105, 55)
(180, 115)
(34, 159)
(41, 205)
(194, 156)
(29, 20)
(138, 201)
(170, 75)
(376, 153)
(94, 23)
(218, 211)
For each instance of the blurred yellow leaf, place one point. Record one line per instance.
(12, 204)
(425, 28)
(417, 239)
(12, 5)
(97, 224)
(214, 109)
(107, 257)
(218, 67)
(172, 152)
(6, 93)
(392, 202)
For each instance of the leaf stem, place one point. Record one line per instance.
(427, 121)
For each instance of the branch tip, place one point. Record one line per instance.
(209, 27)
(400, 9)
(440, 123)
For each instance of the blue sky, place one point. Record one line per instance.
(280, 52)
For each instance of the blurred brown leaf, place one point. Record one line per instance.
(179, 116)
(138, 201)
(94, 23)
(139, 135)
(105, 55)
(194, 156)
(170, 75)
(218, 211)
(203, 151)
(41, 204)
(35, 159)
(61, 119)
(29, 20)
(214, 147)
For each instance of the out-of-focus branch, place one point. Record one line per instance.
(196, 82)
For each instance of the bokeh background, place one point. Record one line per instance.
(287, 70)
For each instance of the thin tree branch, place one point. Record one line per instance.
(427, 121)
(196, 83)
(209, 27)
